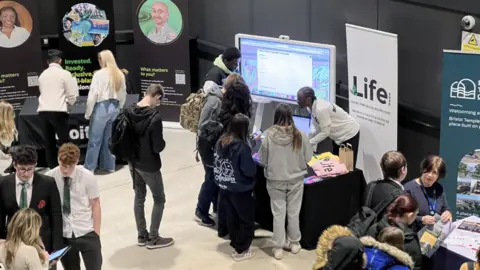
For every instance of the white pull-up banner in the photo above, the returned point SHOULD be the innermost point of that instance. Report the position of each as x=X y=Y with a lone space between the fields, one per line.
x=373 y=94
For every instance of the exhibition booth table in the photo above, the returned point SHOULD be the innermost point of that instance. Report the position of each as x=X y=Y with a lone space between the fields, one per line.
x=331 y=201
x=31 y=128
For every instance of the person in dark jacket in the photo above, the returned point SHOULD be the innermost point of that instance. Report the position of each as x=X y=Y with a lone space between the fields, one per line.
x=401 y=214
x=145 y=171
x=224 y=65
x=394 y=167
x=339 y=249
x=235 y=170
x=210 y=111
x=236 y=99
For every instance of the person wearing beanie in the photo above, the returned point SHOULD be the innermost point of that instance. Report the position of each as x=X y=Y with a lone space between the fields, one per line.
x=58 y=88
x=224 y=65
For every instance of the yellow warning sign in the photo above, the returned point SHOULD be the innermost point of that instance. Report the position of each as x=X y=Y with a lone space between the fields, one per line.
x=473 y=40
x=470 y=42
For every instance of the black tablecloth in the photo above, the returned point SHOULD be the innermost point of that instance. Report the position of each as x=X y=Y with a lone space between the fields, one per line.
x=326 y=203
x=31 y=127
x=445 y=259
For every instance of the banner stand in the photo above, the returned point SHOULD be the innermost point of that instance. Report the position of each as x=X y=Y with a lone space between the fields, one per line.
x=373 y=95
x=459 y=132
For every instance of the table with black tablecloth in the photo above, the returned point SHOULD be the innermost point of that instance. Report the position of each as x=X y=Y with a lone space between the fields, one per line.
x=332 y=201
x=31 y=127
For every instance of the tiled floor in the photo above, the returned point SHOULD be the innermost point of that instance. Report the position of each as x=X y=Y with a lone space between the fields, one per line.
x=195 y=247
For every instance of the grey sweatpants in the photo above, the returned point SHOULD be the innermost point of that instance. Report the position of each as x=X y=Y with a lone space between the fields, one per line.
x=286 y=201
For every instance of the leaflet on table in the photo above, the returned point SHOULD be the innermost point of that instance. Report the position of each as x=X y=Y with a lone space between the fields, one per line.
x=465 y=239
x=432 y=236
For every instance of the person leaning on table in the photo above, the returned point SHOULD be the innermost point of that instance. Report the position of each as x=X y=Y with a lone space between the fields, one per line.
x=329 y=121
x=429 y=193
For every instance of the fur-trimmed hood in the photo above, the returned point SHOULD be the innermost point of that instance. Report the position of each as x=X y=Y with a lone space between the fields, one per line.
x=397 y=254
x=327 y=242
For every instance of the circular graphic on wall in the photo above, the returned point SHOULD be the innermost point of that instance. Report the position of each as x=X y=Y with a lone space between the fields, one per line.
x=16 y=24
x=85 y=25
x=160 y=21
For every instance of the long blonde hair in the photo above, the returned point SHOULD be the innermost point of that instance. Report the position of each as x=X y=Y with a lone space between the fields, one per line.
x=8 y=131
x=24 y=227
x=107 y=60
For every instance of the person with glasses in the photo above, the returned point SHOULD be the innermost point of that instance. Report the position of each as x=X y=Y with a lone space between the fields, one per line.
x=81 y=210
x=28 y=189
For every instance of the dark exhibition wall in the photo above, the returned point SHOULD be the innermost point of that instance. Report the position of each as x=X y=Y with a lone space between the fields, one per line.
x=424 y=28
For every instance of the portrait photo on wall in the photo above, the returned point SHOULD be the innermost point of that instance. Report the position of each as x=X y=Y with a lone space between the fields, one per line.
x=85 y=25
x=16 y=24
x=160 y=21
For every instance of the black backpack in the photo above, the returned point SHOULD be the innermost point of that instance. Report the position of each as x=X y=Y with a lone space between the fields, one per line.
x=366 y=217
x=122 y=142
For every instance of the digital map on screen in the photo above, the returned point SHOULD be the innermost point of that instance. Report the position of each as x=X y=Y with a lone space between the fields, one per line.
x=278 y=70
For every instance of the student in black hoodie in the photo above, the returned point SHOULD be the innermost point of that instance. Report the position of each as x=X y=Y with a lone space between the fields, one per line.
x=235 y=170
x=148 y=127
x=236 y=99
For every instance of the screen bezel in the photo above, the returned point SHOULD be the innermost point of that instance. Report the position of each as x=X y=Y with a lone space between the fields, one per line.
x=333 y=63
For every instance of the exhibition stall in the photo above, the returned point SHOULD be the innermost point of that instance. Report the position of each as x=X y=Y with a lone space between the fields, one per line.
x=31 y=130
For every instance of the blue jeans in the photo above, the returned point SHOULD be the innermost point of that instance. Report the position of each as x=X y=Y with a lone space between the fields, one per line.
x=209 y=190
x=100 y=131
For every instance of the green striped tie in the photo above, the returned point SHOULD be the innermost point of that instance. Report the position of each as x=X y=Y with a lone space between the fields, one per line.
x=66 y=195
x=23 y=195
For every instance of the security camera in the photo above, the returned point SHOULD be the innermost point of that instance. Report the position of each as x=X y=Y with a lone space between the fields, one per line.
x=468 y=22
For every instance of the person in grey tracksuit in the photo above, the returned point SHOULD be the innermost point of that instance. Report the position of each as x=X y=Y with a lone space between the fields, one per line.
x=285 y=152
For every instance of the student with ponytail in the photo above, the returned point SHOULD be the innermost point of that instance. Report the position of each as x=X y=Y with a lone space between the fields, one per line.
x=285 y=152
x=401 y=214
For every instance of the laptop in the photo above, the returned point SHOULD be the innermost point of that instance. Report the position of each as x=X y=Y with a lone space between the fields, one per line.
x=302 y=123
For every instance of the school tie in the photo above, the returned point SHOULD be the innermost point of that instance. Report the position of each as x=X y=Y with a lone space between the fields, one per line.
x=23 y=195
x=66 y=195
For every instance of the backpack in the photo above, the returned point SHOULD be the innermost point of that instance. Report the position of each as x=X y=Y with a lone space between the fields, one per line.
x=366 y=216
x=122 y=142
x=190 y=111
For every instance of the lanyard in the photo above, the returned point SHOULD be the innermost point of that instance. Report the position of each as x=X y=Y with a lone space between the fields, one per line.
x=432 y=203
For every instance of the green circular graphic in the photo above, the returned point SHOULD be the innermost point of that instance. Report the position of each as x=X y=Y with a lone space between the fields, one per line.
x=160 y=21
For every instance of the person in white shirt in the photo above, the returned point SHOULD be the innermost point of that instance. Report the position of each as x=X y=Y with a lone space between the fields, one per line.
x=57 y=89
x=81 y=210
x=11 y=34
x=106 y=97
x=329 y=121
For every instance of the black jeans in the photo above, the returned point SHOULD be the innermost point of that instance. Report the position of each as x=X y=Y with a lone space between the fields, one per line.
x=354 y=142
x=90 y=247
x=54 y=124
x=240 y=210
x=209 y=190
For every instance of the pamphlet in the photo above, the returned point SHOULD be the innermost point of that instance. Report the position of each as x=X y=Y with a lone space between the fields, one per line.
x=465 y=239
x=432 y=236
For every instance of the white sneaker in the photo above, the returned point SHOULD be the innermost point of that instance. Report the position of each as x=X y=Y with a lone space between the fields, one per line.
x=295 y=247
x=278 y=253
x=248 y=254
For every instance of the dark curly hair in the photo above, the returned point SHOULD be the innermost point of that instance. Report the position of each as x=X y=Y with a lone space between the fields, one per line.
x=236 y=99
x=24 y=155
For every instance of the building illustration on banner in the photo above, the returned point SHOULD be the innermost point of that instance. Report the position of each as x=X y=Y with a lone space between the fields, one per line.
x=468 y=185
x=465 y=89
x=85 y=25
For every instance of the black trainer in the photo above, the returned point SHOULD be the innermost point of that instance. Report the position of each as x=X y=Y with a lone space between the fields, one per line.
x=159 y=242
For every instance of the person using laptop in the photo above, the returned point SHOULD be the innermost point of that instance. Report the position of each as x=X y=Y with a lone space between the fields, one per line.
x=329 y=121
